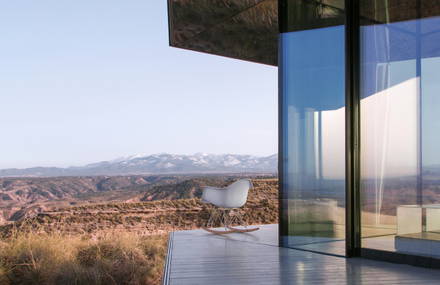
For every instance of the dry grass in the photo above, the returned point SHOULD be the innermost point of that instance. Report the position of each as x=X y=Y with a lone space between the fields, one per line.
x=104 y=258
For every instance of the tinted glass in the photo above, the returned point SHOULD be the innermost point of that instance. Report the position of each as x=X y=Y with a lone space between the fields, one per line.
x=400 y=137
x=313 y=134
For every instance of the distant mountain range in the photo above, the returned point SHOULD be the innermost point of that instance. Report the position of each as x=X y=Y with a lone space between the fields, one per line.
x=158 y=164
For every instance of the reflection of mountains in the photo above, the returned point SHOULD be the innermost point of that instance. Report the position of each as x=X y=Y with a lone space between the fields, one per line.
x=325 y=189
x=400 y=191
x=395 y=191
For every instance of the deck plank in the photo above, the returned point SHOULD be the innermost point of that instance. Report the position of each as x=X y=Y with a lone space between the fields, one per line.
x=198 y=257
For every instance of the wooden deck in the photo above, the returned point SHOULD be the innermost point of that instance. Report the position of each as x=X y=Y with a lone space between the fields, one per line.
x=196 y=257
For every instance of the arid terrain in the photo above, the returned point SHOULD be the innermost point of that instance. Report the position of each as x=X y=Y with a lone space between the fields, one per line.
x=106 y=230
x=25 y=197
x=175 y=207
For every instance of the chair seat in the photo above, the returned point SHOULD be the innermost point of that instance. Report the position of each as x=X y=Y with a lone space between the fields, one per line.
x=233 y=196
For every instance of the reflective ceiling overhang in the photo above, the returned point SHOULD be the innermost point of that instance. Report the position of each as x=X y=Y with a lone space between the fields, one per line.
x=248 y=29
x=241 y=29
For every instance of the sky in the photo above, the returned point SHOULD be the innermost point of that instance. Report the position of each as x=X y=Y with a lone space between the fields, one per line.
x=91 y=80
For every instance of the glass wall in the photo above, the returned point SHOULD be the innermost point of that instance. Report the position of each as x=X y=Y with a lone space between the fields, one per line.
x=400 y=127
x=313 y=126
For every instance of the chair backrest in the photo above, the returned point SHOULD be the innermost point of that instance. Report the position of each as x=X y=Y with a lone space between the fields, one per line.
x=237 y=193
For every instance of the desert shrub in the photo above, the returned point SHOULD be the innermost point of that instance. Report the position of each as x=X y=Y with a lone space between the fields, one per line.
x=104 y=258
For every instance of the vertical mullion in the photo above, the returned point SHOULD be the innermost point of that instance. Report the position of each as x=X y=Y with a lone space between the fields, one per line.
x=418 y=39
x=282 y=202
x=352 y=127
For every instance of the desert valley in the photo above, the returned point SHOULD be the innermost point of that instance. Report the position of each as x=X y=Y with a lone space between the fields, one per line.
x=113 y=228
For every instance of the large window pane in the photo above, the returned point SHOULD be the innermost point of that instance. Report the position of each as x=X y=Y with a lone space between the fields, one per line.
x=400 y=138
x=312 y=70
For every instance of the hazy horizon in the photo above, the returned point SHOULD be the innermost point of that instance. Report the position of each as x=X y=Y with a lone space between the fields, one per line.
x=139 y=155
x=83 y=82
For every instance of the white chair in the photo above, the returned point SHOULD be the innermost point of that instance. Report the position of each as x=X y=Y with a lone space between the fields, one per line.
x=226 y=200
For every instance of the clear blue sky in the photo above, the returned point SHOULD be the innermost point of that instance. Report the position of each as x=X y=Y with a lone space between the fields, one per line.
x=90 y=80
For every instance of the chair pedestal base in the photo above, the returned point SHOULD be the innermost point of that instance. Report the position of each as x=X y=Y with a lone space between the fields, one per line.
x=226 y=218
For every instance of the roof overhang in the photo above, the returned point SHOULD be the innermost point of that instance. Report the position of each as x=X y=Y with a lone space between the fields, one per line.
x=241 y=29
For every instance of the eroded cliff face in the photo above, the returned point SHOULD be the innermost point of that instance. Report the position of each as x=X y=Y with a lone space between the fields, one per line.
x=33 y=190
x=25 y=197
x=155 y=217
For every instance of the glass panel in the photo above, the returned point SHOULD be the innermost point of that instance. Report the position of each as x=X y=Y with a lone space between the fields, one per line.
x=312 y=75
x=400 y=159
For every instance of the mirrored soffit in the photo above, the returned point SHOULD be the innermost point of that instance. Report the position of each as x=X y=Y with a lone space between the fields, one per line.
x=241 y=29
x=248 y=29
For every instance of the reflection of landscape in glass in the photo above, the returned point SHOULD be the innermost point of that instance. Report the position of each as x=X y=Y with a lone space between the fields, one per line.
x=400 y=136
x=312 y=64
x=400 y=161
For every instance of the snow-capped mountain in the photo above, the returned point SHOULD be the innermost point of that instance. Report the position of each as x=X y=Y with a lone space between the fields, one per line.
x=160 y=164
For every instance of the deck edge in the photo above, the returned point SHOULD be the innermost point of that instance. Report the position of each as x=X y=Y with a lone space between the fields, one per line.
x=167 y=266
